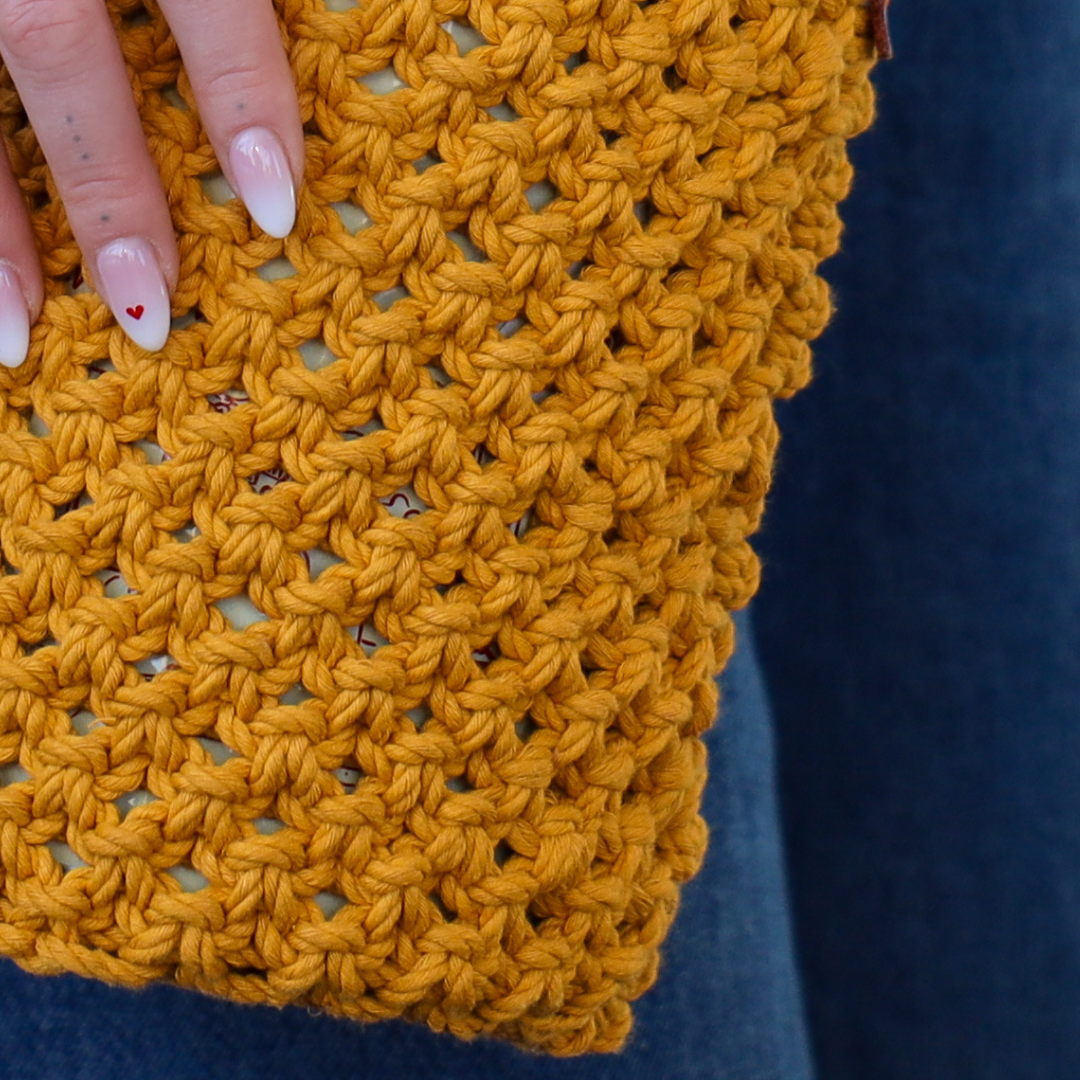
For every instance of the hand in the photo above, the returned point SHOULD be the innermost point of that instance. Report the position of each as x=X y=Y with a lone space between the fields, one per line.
x=65 y=61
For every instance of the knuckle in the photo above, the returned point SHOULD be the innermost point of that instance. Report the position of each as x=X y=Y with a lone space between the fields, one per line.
x=37 y=33
x=98 y=193
x=234 y=82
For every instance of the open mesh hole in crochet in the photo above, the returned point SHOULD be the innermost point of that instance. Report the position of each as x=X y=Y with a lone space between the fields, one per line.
x=216 y=188
x=296 y=695
x=349 y=776
x=187 y=319
x=133 y=800
x=486 y=654
x=227 y=400
x=319 y=560
x=240 y=612
x=316 y=354
x=186 y=533
x=526 y=727
x=459 y=784
x=502 y=111
x=503 y=853
x=575 y=60
x=155 y=665
x=113 y=583
x=135 y=14
x=172 y=95
x=383 y=81
x=437 y=374
x=673 y=80
x=12 y=773
x=464 y=242
x=426 y=161
x=83 y=721
x=541 y=194
x=151 y=451
x=99 y=369
x=445 y=913
x=77 y=285
x=330 y=903
x=64 y=856
x=351 y=216
x=267 y=480
x=189 y=879
x=277 y=269
x=387 y=298
x=65 y=508
x=419 y=716
x=218 y=751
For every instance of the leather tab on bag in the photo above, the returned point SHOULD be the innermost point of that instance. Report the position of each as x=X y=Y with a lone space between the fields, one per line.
x=879 y=20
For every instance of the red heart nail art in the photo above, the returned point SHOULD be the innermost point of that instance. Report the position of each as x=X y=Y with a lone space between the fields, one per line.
x=136 y=312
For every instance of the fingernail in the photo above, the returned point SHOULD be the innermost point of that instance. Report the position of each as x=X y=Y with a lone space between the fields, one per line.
x=262 y=174
x=132 y=285
x=14 y=319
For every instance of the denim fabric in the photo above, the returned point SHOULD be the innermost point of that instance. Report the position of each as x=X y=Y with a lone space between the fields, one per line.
x=725 y=1007
x=919 y=620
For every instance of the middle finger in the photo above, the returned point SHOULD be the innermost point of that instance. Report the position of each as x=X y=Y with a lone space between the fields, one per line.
x=247 y=100
x=65 y=61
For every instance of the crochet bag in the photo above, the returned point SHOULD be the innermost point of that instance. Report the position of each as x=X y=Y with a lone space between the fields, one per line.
x=356 y=649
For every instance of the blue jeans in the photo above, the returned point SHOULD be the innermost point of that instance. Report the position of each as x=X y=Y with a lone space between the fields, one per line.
x=914 y=651
x=726 y=991
x=919 y=625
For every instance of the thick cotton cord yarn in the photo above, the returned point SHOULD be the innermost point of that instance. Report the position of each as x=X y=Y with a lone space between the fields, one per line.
x=356 y=650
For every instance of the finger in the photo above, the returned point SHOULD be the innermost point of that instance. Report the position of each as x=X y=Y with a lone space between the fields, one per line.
x=21 y=287
x=65 y=61
x=247 y=100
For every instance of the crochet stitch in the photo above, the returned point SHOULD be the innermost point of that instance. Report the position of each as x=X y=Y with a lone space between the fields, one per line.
x=356 y=649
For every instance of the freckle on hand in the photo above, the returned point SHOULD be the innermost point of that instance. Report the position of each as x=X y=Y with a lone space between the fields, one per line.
x=86 y=157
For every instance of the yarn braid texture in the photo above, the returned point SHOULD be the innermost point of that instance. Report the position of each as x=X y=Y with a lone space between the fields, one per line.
x=356 y=649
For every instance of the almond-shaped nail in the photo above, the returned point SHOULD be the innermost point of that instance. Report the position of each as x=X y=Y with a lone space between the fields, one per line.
x=264 y=180
x=132 y=285
x=14 y=319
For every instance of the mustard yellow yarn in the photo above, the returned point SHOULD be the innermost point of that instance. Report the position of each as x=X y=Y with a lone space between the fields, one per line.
x=585 y=413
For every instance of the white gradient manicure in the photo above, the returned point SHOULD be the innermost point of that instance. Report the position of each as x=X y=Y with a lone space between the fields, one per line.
x=132 y=285
x=265 y=183
x=14 y=319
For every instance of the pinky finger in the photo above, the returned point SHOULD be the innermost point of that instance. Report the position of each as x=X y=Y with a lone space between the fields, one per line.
x=21 y=288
